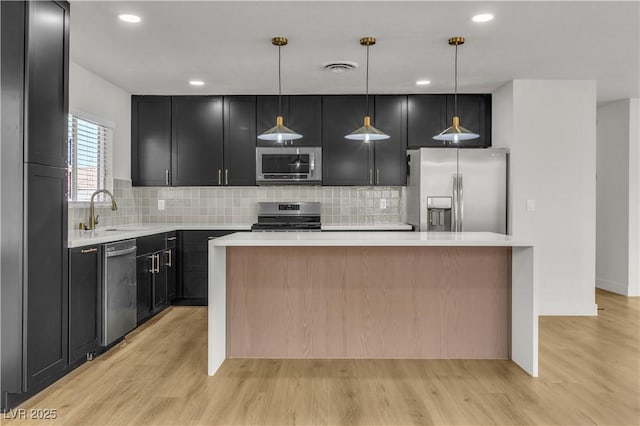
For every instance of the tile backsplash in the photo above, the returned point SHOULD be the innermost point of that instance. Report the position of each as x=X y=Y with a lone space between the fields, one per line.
x=340 y=205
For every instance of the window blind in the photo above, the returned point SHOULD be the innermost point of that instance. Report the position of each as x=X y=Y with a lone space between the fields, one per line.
x=90 y=156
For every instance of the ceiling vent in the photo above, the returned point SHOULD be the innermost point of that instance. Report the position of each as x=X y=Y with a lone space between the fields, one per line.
x=339 y=67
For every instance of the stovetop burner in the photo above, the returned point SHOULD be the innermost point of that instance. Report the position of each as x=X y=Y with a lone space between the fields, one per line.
x=303 y=216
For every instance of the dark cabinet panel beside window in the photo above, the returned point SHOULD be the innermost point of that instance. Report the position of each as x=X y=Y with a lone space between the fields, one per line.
x=47 y=91
x=151 y=140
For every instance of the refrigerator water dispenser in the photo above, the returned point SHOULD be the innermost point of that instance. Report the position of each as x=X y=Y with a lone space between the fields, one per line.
x=439 y=214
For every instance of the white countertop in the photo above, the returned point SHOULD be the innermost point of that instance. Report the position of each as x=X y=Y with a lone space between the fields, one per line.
x=478 y=239
x=107 y=234
x=381 y=227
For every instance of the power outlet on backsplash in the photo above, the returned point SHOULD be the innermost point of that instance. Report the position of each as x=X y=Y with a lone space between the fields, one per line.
x=346 y=205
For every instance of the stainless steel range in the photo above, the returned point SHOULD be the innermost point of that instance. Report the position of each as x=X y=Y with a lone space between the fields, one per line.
x=304 y=216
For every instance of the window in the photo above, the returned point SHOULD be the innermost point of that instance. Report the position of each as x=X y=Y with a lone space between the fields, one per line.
x=89 y=158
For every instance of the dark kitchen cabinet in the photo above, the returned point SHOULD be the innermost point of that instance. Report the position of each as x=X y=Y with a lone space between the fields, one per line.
x=151 y=273
x=194 y=265
x=239 y=140
x=302 y=113
x=145 y=267
x=350 y=162
x=344 y=161
x=390 y=155
x=474 y=111
x=431 y=114
x=427 y=116
x=197 y=140
x=85 y=266
x=47 y=320
x=34 y=115
x=171 y=259
x=151 y=140
x=46 y=85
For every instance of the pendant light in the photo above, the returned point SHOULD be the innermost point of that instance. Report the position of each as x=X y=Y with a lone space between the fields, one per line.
x=279 y=132
x=367 y=132
x=456 y=132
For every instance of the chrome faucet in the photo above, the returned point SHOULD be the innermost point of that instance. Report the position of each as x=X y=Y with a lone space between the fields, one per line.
x=93 y=220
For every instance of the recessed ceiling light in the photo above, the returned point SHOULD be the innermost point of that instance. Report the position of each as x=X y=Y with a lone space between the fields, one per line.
x=482 y=17
x=423 y=82
x=196 y=82
x=131 y=19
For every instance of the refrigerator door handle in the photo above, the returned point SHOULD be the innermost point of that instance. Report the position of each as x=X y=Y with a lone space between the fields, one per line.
x=461 y=203
x=454 y=225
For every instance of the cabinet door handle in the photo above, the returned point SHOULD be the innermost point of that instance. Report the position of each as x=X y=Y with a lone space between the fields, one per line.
x=370 y=176
x=170 y=261
x=377 y=176
x=219 y=176
x=226 y=176
x=166 y=177
x=171 y=238
x=153 y=263
x=87 y=251
x=157 y=263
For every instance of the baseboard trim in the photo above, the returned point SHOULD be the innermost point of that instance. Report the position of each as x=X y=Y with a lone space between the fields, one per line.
x=588 y=310
x=612 y=286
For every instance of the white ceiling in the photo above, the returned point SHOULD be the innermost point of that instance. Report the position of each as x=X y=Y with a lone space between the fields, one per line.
x=227 y=44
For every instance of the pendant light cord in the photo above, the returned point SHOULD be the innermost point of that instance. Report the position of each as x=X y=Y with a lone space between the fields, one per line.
x=367 y=83
x=455 y=90
x=279 y=82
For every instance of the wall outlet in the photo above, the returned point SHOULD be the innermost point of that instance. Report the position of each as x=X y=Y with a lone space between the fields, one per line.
x=531 y=205
x=160 y=204
x=383 y=203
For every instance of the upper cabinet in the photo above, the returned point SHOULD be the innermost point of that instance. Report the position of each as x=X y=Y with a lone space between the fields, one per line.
x=193 y=140
x=211 y=140
x=239 y=140
x=427 y=118
x=429 y=115
x=390 y=155
x=351 y=162
x=345 y=161
x=302 y=114
x=475 y=115
x=197 y=139
x=151 y=140
x=46 y=83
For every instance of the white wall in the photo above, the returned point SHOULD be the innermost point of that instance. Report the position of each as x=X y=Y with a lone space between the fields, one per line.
x=94 y=97
x=634 y=197
x=612 y=212
x=549 y=127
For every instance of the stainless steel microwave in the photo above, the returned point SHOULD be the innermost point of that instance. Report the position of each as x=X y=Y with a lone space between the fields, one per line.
x=275 y=165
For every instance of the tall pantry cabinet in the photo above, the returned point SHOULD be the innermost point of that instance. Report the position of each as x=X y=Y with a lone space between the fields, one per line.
x=35 y=87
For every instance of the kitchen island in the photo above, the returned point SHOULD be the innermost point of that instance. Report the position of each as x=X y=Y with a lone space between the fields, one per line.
x=395 y=295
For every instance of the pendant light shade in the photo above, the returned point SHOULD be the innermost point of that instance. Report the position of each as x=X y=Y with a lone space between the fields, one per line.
x=367 y=132
x=279 y=132
x=456 y=132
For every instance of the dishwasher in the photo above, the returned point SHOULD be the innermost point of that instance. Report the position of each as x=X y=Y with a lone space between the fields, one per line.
x=118 y=290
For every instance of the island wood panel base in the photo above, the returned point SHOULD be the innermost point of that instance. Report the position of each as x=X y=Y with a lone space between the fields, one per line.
x=368 y=302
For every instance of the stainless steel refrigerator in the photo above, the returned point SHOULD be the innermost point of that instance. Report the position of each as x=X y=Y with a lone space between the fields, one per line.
x=456 y=190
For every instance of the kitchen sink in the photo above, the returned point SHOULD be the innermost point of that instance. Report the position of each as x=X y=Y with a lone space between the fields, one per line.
x=121 y=229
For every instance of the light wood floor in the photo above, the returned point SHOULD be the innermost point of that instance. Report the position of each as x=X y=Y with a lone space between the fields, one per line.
x=589 y=374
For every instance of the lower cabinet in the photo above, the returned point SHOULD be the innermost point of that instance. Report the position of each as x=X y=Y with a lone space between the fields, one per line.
x=193 y=261
x=85 y=265
x=152 y=268
x=171 y=259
